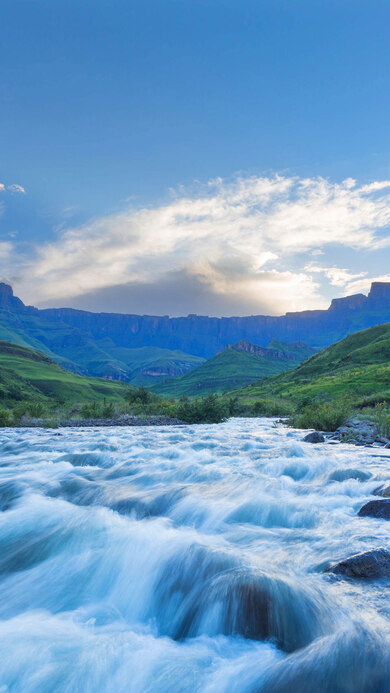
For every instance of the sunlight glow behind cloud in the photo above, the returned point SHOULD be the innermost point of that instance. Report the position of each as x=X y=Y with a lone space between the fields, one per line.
x=238 y=238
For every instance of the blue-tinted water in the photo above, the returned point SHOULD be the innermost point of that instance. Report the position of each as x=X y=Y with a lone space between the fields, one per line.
x=177 y=560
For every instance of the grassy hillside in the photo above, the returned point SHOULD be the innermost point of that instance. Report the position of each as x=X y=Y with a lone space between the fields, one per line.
x=358 y=367
x=33 y=387
x=224 y=372
x=26 y=374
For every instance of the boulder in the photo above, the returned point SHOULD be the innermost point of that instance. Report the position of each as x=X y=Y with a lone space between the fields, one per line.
x=376 y=508
x=314 y=437
x=369 y=564
x=360 y=432
x=382 y=439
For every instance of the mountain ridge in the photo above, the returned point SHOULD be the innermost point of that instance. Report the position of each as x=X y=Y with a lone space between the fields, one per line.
x=203 y=336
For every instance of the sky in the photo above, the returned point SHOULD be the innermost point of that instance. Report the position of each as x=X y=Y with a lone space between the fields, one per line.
x=219 y=157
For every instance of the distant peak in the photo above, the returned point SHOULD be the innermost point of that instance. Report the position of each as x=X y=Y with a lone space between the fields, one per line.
x=353 y=302
x=7 y=299
x=6 y=289
x=380 y=293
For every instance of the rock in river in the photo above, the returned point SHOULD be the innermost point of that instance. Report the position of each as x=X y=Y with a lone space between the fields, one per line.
x=376 y=508
x=314 y=437
x=383 y=491
x=369 y=564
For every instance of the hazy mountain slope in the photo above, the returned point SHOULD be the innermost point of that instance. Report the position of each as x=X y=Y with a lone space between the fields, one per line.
x=81 y=352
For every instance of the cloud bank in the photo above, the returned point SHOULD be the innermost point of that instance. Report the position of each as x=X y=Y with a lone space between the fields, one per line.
x=243 y=246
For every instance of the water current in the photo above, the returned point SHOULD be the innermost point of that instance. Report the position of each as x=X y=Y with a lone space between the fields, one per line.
x=188 y=560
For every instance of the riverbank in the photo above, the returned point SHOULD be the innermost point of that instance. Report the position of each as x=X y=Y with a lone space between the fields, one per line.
x=360 y=432
x=103 y=423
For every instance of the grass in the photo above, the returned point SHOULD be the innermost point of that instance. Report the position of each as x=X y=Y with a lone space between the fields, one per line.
x=28 y=375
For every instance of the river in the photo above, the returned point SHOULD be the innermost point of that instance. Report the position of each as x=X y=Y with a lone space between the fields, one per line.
x=188 y=560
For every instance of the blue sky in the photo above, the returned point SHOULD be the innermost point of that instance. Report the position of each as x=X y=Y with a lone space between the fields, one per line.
x=116 y=115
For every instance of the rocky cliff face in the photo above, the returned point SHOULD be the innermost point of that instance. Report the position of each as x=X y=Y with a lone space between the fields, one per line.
x=268 y=352
x=204 y=336
x=7 y=299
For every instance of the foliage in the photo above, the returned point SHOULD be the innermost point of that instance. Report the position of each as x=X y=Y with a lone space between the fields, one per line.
x=98 y=410
x=139 y=394
x=269 y=407
x=382 y=419
x=36 y=409
x=5 y=418
x=323 y=416
x=210 y=409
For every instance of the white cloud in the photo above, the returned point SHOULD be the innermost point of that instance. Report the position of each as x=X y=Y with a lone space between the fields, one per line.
x=363 y=285
x=5 y=249
x=236 y=237
x=13 y=188
x=338 y=276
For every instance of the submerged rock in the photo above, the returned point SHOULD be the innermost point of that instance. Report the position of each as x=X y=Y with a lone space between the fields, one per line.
x=314 y=437
x=343 y=474
x=376 y=508
x=369 y=564
x=383 y=491
x=206 y=592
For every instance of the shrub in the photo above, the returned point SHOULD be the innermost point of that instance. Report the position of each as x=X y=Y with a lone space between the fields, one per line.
x=382 y=419
x=90 y=411
x=233 y=406
x=5 y=417
x=138 y=395
x=36 y=409
x=325 y=416
x=210 y=409
x=269 y=407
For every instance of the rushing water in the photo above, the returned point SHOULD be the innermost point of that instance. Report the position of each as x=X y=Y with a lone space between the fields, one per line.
x=189 y=559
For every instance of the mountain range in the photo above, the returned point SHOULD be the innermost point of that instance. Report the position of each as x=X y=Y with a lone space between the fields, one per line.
x=144 y=349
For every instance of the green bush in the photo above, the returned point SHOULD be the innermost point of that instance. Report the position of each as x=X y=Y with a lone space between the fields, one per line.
x=324 y=416
x=5 y=417
x=269 y=407
x=210 y=409
x=382 y=419
x=91 y=410
x=138 y=395
x=36 y=409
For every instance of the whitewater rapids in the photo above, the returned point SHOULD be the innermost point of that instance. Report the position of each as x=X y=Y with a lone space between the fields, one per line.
x=188 y=560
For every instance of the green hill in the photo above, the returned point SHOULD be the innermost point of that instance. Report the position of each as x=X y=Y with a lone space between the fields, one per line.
x=26 y=374
x=235 y=367
x=357 y=367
